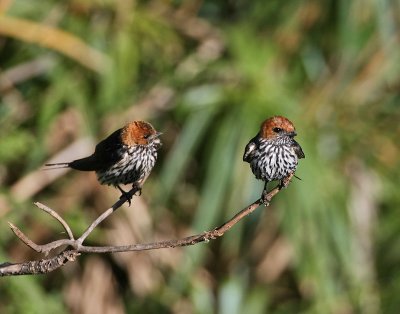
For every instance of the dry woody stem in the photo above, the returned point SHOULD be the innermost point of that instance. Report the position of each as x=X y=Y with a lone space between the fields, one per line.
x=72 y=247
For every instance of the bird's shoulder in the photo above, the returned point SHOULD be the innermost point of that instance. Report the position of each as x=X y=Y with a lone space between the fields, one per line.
x=298 y=150
x=110 y=143
x=250 y=149
x=109 y=150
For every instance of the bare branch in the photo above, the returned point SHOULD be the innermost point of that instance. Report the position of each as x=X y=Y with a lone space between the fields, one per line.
x=50 y=264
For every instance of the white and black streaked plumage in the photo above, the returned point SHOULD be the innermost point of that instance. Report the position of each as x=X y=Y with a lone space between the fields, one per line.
x=134 y=164
x=127 y=156
x=273 y=153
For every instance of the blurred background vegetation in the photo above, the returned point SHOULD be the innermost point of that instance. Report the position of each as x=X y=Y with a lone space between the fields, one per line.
x=206 y=73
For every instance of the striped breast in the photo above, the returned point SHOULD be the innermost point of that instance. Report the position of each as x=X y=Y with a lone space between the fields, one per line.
x=274 y=159
x=134 y=166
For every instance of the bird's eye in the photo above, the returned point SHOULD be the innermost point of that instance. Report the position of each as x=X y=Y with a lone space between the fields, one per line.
x=277 y=130
x=146 y=136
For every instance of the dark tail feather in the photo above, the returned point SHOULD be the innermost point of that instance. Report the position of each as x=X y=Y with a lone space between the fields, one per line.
x=57 y=166
x=85 y=164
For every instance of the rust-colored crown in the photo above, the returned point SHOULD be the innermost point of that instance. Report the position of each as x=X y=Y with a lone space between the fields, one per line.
x=272 y=127
x=137 y=133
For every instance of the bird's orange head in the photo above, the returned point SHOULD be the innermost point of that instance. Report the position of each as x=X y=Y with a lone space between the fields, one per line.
x=139 y=133
x=277 y=126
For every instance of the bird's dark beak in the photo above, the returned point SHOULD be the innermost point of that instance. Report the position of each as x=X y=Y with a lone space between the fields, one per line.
x=292 y=134
x=154 y=136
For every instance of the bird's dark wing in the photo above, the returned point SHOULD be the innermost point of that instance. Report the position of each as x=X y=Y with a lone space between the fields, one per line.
x=250 y=150
x=297 y=149
x=106 y=153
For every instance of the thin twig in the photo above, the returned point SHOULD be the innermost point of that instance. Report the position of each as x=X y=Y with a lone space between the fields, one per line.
x=44 y=248
x=124 y=198
x=57 y=217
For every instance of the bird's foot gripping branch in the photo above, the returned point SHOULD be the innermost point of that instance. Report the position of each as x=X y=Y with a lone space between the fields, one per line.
x=73 y=247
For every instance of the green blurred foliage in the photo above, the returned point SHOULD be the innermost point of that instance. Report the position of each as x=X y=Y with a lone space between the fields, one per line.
x=206 y=74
